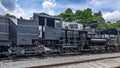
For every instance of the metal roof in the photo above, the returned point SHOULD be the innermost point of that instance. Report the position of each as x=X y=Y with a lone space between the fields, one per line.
x=48 y=16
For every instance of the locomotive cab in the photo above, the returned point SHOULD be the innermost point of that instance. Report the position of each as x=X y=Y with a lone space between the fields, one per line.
x=49 y=30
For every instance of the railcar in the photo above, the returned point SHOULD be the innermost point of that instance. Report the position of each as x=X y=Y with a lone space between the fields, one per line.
x=19 y=37
x=27 y=41
x=46 y=34
x=50 y=29
x=113 y=37
x=7 y=35
x=56 y=38
x=72 y=41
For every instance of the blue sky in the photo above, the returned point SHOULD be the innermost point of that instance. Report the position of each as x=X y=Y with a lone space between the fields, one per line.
x=26 y=8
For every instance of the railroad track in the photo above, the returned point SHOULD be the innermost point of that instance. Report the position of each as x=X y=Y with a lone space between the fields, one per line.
x=57 y=61
x=74 y=62
x=17 y=58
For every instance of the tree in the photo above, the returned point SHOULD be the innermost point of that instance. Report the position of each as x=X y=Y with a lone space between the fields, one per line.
x=98 y=17
x=98 y=14
x=78 y=16
x=69 y=11
x=84 y=17
x=118 y=21
x=67 y=15
x=9 y=16
x=114 y=25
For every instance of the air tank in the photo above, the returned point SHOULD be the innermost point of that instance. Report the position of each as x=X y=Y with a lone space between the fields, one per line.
x=98 y=41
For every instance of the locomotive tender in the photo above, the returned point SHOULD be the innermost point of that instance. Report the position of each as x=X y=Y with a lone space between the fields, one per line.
x=19 y=36
x=46 y=33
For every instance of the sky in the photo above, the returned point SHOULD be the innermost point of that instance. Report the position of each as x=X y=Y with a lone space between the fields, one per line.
x=25 y=8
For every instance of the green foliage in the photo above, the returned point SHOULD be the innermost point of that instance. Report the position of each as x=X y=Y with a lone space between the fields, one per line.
x=9 y=16
x=101 y=22
x=67 y=15
x=114 y=25
x=83 y=16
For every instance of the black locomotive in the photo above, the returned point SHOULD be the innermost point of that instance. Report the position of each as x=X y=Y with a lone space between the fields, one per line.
x=44 y=33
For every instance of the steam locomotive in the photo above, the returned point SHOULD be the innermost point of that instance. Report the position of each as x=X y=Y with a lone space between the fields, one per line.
x=45 y=33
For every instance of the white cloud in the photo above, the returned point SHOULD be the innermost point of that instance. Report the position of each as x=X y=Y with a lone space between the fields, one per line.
x=109 y=8
x=48 y=6
x=18 y=11
x=51 y=12
x=112 y=16
x=2 y=9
